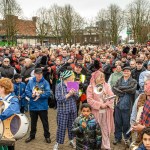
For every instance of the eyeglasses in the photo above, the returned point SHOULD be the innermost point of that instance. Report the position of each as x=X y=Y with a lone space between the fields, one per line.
x=6 y=61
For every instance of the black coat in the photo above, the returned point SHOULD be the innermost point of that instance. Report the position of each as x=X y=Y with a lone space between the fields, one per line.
x=135 y=75
x=120 y=90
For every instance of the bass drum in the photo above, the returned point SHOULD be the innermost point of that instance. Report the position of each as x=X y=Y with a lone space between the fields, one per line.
x=16 y=126
x=3 y=106
x=1 y=129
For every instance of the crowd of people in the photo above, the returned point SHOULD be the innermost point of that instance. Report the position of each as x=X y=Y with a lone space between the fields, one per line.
x=113 y=95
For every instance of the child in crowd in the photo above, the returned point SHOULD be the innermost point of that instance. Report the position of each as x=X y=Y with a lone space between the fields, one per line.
x=145 y=139
x=19 y=90
x=87 y=130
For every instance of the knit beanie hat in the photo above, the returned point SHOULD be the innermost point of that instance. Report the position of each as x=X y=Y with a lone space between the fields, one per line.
x=66 y=74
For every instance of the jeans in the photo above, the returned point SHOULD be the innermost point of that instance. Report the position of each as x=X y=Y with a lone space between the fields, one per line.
x=122 y=123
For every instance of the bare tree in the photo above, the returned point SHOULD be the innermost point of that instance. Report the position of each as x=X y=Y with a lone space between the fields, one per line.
x=9 y=9
x=78 y=26
x=103 y=27
x=67 y=23
x=115 y=17
x=89 y=30
x=138 y=19
x=55 y=15
x=43 y=25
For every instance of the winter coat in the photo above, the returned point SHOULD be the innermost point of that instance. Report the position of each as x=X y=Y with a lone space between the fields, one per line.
x=135 y=75
x=142 y=147
x=107 y=71
x=125 y=91
x=26 y=72
x=42 y=102
x=7 y=71
x=19 y=90
x=114 y=78
x=88 y=138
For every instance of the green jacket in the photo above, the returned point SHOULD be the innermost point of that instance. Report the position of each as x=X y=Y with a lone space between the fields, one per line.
x=114 y=77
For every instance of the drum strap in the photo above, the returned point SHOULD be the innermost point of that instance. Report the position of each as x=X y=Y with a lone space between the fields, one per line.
x=8 y=99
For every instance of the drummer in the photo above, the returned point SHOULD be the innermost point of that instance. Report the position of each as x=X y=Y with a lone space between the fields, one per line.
x=6 y=94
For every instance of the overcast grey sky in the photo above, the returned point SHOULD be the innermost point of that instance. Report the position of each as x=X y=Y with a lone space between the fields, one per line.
x=86 y=8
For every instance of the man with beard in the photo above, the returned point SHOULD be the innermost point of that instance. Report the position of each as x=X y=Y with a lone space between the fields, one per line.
x=6 y=69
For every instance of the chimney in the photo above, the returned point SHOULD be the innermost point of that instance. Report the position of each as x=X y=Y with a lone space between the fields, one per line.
x=34 y=19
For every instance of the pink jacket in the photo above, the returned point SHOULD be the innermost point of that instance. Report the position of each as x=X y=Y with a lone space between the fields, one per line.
x=95 y=102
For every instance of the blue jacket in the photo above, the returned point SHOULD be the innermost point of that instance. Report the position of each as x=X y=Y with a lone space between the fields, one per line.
x=12 y=109
x=142 y=147
x=19 y=90
x=42 y=102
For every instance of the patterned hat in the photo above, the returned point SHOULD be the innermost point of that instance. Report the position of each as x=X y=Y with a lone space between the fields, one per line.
x=66 y=74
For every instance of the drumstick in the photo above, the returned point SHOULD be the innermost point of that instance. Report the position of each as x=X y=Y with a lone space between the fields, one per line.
x=110 y=97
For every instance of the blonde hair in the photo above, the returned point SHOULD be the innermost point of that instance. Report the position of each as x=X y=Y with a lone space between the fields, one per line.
x=101 y=75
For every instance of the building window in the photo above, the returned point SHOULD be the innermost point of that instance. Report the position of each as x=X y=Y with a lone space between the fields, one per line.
x=85 y=39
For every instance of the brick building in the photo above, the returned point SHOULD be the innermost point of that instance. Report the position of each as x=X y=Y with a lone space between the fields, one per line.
x=17 y=28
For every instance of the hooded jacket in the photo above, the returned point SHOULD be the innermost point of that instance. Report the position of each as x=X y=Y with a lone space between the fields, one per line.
x=87 y=138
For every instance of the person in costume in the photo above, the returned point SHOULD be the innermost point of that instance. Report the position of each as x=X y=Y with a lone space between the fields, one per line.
x=66 y=109
x=102 y=108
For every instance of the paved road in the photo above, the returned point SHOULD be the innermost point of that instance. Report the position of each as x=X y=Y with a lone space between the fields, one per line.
x=40 y=144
